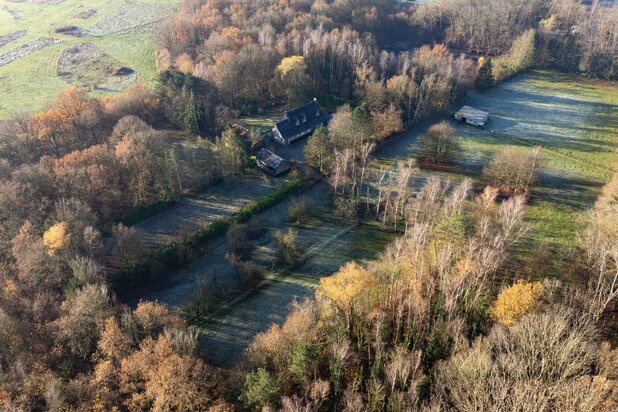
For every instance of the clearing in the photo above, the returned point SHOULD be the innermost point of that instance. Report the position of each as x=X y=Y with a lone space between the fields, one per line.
x=122 y=31
x=573 y=118
x=217 y=202
x=88 y=67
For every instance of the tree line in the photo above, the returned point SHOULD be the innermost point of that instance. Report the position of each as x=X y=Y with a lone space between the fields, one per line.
x=569 y=36
x=436 y=324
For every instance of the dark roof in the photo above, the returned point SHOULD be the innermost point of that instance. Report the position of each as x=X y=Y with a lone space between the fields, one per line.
x=271 y=159
x=302 y=118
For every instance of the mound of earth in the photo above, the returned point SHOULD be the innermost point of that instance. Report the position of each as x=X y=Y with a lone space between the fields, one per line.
x=121 y=71
x=87 y=66
x=132 y=18
x=7 y=38
x=86 y=14
x=69 y=31
x=26 y=49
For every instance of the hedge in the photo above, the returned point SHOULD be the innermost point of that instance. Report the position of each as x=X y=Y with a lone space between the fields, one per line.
x=170 y=256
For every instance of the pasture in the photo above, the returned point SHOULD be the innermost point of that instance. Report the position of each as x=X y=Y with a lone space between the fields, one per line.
x=46 y=46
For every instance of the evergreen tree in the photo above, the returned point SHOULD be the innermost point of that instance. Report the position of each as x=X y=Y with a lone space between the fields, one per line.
x=485 y=77
x=232 y=151
x=191 y=118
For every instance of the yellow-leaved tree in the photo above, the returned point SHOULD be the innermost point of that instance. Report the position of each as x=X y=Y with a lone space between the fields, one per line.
x=350 y=289
x=516 y=301
x=56 y=237
x=291 y=79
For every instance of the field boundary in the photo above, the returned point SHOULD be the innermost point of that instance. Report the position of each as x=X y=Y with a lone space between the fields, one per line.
x=166 y=258
x=274 y=276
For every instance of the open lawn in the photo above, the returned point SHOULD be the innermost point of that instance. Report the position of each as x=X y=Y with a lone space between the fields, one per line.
x=121 y=29
x=574 y=120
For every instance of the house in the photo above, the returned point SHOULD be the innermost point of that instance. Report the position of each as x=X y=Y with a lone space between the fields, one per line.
x=299 y=123
x=271 y=162
x=472 y=116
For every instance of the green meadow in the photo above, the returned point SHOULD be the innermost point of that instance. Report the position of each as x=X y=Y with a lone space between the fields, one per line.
x=121 y=29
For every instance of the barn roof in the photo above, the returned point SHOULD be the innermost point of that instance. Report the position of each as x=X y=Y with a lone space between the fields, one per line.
x=476 y=115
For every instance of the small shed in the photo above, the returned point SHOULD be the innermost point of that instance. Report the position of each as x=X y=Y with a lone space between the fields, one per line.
x=272 y=162
x=472 y=116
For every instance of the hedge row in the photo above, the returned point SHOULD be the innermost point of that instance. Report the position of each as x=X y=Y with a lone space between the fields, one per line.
x=170 y=256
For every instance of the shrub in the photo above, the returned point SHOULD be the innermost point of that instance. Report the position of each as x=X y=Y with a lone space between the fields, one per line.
x=56 y=237
x=439 y=146
x=299 y=209
x=288 y=249
x=516 y=301
x=238 y=239
x=514 y=171
x=260 y=389
x=200 y=303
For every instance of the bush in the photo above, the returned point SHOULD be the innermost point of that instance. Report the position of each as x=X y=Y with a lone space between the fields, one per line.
x=439 y=146
x=288 y=249
x=238 y=239
x=260 y=389
x=200 y=303
x=514 y=171
x=299 y=209
x=347 y=208
x=516 y=301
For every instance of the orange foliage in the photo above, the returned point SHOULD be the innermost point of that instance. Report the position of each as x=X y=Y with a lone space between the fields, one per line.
x=184 y=63
x=349 y=288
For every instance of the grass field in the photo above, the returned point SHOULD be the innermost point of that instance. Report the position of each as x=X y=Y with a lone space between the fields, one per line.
x=121 y=29
x=574 y=119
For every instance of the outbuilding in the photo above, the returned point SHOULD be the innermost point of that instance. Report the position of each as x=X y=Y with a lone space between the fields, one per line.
x=272 y=162
x=472 y=116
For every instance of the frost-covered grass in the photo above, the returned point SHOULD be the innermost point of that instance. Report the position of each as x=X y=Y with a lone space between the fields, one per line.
x=29 y=82
x=573 y=118
x=575 y=121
